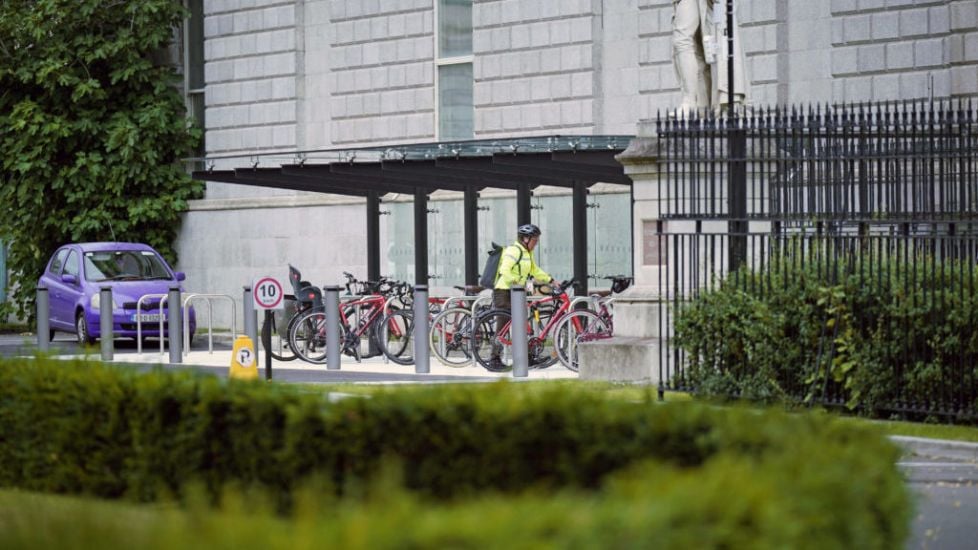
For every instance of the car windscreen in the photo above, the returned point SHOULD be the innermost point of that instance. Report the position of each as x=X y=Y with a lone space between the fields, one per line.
x=124 y=265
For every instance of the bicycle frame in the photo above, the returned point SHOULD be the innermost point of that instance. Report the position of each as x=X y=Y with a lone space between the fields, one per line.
x=376 y=308
x=562 y=309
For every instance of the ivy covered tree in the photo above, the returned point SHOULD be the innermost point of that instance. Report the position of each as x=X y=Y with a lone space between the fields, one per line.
x=92 y=130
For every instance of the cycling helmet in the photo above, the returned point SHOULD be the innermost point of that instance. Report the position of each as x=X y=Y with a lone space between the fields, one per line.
x=528 y=230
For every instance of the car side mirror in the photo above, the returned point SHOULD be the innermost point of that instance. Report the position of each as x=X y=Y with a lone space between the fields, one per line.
x=68 y=278
x=180 y=276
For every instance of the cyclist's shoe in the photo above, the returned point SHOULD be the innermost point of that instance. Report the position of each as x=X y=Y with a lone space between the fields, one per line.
x=538 y=362
x=496 y=365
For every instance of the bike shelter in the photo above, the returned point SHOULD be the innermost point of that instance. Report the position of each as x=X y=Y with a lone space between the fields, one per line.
x=520 y=164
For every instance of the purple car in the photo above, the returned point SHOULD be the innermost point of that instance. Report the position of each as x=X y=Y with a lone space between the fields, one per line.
x=76 y=272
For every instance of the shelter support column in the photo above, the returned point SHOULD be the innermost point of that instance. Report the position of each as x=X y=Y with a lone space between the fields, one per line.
x=523 y=196
x=421 y=236
x=471 y=237
x=579 y=225
x=373 y=236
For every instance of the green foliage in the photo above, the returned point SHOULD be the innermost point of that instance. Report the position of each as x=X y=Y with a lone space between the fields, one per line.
x=875 y=332
x=92 y=129
x=471 y=466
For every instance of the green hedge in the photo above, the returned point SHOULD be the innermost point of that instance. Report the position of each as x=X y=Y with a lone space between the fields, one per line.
x=77 y=428
x=881 y=332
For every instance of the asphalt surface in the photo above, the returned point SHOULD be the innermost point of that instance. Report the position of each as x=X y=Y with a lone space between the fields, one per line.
x=944 y=478
x=943 y=475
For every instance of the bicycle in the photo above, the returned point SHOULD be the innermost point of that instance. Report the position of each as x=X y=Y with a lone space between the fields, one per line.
x=450 y=336
x=587 y=326
x=308 y=333
x=397 y=328
x=492 y=329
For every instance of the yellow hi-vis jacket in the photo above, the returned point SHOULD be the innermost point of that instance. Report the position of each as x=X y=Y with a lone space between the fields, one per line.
x=516 y=266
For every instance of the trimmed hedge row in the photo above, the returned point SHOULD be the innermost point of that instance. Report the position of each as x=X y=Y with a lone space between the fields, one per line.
x=73 y=427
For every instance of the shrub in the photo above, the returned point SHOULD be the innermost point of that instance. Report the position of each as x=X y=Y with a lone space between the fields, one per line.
x=79 y=428
x=878 y=333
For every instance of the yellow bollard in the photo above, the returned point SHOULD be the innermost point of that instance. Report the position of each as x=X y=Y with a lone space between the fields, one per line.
x=243 y=359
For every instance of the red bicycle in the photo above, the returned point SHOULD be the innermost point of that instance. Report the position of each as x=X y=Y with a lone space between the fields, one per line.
x=493 y=329
x=362 y=317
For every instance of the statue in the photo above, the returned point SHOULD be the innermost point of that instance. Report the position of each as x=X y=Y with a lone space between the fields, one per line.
x=699 y=46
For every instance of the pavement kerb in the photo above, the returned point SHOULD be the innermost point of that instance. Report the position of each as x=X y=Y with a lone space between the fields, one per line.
x=938 y=448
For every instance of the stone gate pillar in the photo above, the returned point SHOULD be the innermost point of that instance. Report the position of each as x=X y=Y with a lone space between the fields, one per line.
x=633 y=355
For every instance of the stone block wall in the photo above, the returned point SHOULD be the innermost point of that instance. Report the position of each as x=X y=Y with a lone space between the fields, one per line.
x=382 y=71
x=885 y=50
x=250 y=67
x=533 y=67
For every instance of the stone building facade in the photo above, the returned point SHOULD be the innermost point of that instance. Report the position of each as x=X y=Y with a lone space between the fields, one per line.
x=305 y=75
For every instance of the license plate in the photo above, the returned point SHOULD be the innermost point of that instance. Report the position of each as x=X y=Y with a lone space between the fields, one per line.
x=146 y=317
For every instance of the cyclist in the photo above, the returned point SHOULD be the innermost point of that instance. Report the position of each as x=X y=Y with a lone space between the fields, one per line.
x=515 y=266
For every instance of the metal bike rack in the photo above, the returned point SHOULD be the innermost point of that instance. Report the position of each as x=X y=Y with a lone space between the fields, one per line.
x=449 y=302
x=139 y=320
x=593 y=300
x=480 y=300
x=210 y=337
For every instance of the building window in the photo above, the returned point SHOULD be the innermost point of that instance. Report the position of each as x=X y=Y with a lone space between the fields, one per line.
x=454 y=28
x=194 y=70
x=454 y=63
x=455 y=112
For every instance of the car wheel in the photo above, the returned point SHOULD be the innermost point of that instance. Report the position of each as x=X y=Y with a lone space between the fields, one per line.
x=81 y=330
x=51 y=335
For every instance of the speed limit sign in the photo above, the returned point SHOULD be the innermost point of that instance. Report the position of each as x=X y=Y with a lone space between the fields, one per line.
x=268 y=294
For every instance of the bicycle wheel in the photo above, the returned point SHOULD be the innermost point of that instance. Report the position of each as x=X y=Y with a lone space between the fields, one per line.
x=307 y=337
x=396 y=336
x=576 y=327
x=451 y=337
x=277 y=330
x=486 y=343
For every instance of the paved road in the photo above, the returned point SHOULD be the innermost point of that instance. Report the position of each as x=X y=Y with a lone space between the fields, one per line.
x=944 y=477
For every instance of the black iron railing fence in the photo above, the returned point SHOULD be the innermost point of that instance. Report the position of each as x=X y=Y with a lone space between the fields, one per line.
x=855 y=162
x=830 y=259
x=882 y=322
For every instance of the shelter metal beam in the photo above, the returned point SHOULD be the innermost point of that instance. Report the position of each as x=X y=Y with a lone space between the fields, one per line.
x=324 y=174
x=271 y=177
x=426 y=171
x=513 y=174
x=604 y=158
x=464 y=172
x=543 y=164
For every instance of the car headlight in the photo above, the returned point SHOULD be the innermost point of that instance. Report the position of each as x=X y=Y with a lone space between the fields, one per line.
x=97 y=301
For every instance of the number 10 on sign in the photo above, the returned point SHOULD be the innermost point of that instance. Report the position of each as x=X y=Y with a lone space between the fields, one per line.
x=267 y=293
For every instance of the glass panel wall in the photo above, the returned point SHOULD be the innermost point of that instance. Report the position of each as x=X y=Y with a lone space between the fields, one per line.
x=609 y=237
